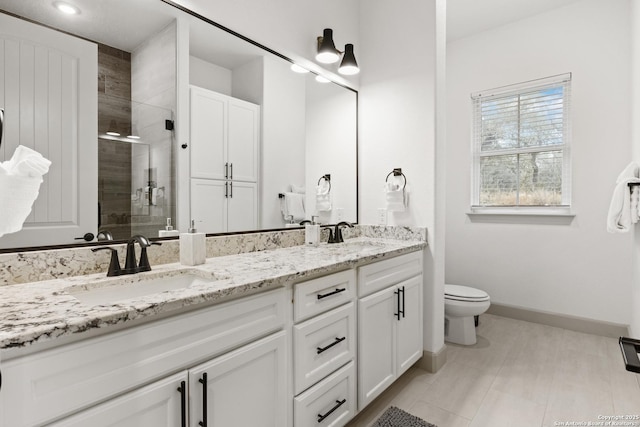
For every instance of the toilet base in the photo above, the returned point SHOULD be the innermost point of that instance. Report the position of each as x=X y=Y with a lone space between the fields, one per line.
x=460 y=330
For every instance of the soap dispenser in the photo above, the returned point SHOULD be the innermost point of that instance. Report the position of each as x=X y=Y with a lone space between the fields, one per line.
x=312 y=233
x=192 y=247
x=168 y=230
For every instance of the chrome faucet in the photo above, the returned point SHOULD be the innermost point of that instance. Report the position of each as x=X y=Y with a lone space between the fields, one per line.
x=131 y=267
x=336 y=236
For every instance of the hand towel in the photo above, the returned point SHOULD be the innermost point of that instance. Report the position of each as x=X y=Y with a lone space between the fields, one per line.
x=293 y=207
x=20 y=179
x=323 y=196
x=635 y=198
x=395 y=197
x=619 y=216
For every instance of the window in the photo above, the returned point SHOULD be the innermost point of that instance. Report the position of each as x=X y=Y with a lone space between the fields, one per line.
x=521 y=145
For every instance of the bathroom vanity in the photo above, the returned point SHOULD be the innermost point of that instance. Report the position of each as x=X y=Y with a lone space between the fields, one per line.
x=283 y=337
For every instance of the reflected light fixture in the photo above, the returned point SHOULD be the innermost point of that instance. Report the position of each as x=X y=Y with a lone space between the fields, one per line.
x=328 y=54
x=66 y=8
x=113 y=129
x=322 y=79
x=298 y=69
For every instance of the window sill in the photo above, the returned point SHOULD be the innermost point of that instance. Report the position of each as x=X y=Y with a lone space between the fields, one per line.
x=553 y=216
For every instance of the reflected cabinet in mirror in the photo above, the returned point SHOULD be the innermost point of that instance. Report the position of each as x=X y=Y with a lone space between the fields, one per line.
x=258 y=146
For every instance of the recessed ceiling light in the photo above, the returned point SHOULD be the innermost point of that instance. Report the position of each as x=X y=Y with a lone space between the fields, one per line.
x=66 y=8
x=112 y=133
x=298 y=69
x=133 y=137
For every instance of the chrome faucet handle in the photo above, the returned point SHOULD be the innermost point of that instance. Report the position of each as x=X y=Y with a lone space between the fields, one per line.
x=114 y=264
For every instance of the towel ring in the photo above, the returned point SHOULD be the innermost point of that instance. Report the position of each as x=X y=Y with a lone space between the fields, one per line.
x=397 y=172
x=326 y=177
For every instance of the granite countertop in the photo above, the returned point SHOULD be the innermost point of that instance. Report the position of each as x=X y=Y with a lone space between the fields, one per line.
x=41 y=311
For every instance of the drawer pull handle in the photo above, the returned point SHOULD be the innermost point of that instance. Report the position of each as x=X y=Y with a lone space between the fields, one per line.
x=337 y=291
x=183 y=403
x=203 y=381
x=339 y=403
x=337 y=341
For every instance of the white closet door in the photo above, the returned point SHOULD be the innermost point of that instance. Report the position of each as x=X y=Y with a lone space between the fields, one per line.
x=208 y=134
x=243 y=206
x=52 y=109
x=244 y=131
x=209 y=205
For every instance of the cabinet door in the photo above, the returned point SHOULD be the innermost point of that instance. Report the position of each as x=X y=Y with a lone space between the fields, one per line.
x=209 y=205
x=246 y=387
x=376 y=344
x=242 y=202
x=156 y=405
x=409 y=328
x=208 y=128
x=244 y=134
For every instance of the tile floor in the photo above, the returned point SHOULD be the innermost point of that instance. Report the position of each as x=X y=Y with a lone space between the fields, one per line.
x=519 y=374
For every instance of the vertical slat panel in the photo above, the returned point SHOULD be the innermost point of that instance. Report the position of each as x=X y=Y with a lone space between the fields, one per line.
x=12 y=97
x=41 y=142
x=26 y=102
x=2 y=101
x=68 y=152
x=55 y=136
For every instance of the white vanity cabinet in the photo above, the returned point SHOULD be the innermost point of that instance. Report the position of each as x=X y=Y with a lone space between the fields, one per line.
x=44 y=386
x=324 y=350
x=389 y=322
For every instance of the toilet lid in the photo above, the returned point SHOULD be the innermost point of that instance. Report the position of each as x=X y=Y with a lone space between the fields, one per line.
x=464 y=293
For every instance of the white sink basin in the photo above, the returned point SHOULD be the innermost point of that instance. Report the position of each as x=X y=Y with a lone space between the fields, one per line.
x=113 y=290
x=361 y=245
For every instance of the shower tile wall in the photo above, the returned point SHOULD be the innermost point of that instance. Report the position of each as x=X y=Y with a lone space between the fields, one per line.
x=114 y=111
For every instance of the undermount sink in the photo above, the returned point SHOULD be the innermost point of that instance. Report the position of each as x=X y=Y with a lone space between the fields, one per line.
x=362 y=244
x=113 y=290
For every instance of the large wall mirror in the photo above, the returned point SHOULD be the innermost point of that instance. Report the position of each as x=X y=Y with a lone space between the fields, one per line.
x=261 y=146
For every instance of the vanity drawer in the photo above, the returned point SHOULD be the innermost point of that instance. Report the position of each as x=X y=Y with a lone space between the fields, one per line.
x=324 y=293
x=323 y=344
x=52 y=383
x=382 y=274
x=332 y=402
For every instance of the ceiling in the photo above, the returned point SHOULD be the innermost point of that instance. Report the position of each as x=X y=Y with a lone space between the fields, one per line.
x=467 y=17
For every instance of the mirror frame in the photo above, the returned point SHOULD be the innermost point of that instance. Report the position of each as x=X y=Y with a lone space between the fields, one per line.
x=161 y=239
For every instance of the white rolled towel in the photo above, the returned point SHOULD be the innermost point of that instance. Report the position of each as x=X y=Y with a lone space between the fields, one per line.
x=20 y=179
x=395 y=197
x=323 y=196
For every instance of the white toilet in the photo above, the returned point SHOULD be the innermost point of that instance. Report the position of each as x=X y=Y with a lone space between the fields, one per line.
x=461 y=305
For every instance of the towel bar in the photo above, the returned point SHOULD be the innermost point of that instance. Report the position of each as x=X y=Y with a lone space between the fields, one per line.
x=630 y=349
x=280 y=196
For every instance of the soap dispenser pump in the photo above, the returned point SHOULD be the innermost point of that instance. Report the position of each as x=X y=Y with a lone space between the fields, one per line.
x=312 y=232
x=192 y=247
x=168 y=230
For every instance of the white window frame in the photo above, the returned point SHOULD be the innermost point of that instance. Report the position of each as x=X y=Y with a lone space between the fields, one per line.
x=564 y=208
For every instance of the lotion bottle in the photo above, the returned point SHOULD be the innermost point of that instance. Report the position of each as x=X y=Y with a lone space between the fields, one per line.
x=168 y=230
x=312 y=233
x=192 y=247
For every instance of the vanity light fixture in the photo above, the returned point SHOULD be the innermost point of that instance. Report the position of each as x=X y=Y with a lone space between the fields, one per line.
x=328 y=54
x=113 y=129
x=66 y=8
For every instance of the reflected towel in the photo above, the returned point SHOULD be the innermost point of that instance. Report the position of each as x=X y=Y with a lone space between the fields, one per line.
x=293 y=207
x=20 y=179
x=323 y=196
x=619 y=216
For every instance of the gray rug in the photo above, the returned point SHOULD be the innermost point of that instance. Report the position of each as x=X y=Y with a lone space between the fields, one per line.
x=395 y=417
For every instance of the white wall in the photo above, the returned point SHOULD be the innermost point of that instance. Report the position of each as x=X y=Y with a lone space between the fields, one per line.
x=397 y=126
x=209 y=76
x=577 y=269
x=635 y=147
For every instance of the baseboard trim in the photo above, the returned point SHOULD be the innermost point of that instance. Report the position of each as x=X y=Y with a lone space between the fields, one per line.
x=565 y=321
x=432 y=362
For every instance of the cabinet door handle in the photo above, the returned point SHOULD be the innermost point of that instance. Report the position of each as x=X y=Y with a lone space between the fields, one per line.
x=397 y=294
x=231 y=173
x=337 y=341
x=203 y=381
x=337 y=291
x=231 y=192
x=183 y=404
x=339 y=403
x=226 y=190
x=226 y=170
x=403 y=305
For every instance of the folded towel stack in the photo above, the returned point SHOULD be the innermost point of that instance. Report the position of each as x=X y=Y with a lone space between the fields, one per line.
x=323 y=196
x=292 y=206
x=622 y=212
x=20 y=179
x=395 y=197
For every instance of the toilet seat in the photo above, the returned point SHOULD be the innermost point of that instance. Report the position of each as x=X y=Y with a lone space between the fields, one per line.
x=464 y=293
